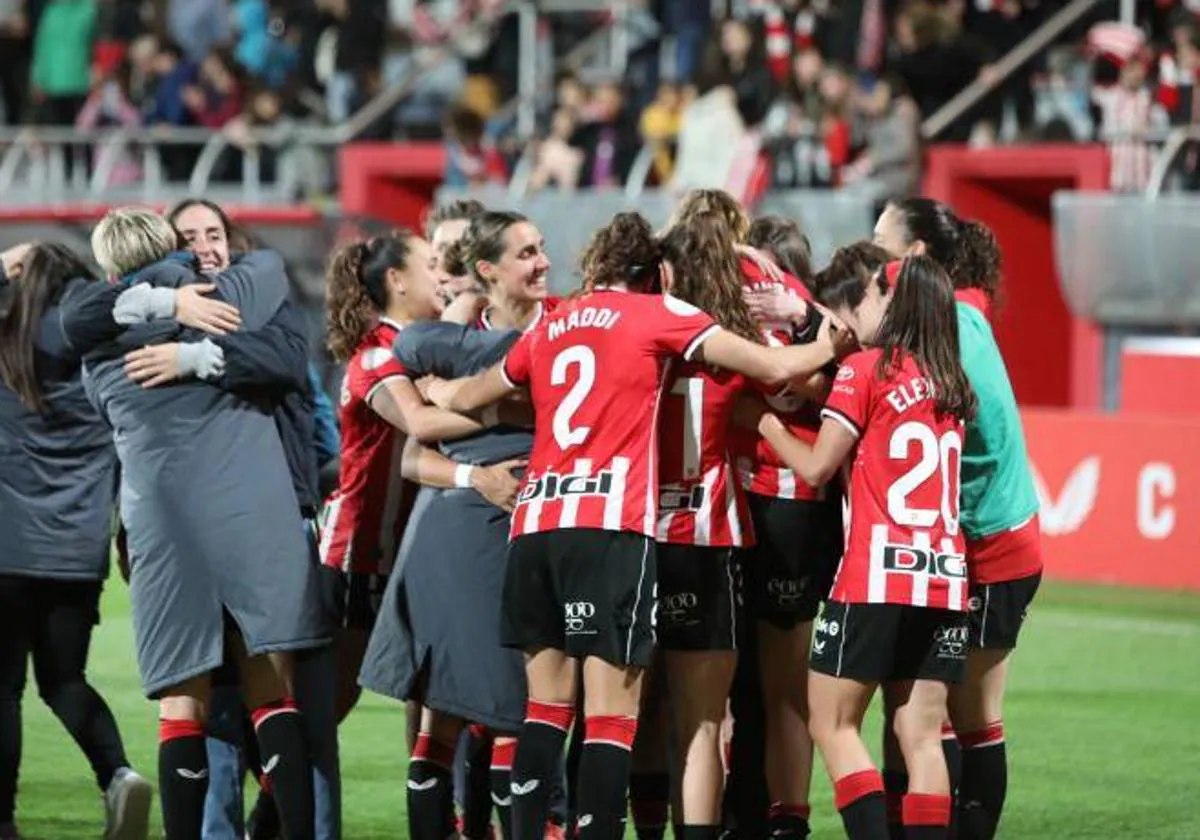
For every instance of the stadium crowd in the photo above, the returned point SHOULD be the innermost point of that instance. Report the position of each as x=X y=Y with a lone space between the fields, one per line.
x=615 y=518
x=829 y=94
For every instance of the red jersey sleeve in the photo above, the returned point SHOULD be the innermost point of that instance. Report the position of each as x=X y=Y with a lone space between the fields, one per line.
x=849 y=402
x=680 y=328
x=518 y=363
x=370 y=369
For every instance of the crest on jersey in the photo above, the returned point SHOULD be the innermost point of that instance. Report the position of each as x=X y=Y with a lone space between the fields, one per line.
x=376 y=357
x=680 y=307
x=844 y=373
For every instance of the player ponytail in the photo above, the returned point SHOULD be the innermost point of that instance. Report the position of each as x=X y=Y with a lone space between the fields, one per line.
x=714 y=204
x=357 y=291
x=977 y=261
x=783 y=240
x=44 y=273
x=921 y=321
x=706 y=272
x=622 y=252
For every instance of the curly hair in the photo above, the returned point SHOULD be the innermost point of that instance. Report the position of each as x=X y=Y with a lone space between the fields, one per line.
x=623 y=251
x=707 y=273
x=714 y=203
x=357 y=290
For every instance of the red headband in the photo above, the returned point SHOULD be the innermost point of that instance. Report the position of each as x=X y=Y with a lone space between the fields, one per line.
x=892 y=272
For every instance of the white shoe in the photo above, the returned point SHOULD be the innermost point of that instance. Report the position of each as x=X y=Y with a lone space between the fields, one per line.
x=127 y=806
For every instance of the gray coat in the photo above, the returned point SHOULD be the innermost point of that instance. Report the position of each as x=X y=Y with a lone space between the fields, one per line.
x=441 y=609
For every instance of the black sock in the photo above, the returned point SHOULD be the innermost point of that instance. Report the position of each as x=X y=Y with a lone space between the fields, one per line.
x=87 y=717
x=895 y=785
x=788 y=821
x=539 y=751
x=697 y=832
x=926 y=816
x=859 y=798
x=10 y=755
x=984 y=783
x=281 y=744
x=182 y=777
x=604 y=776
x=649 y=804
x=430 y=790
x=571 y=768
x=477 y=791
x=503 y=752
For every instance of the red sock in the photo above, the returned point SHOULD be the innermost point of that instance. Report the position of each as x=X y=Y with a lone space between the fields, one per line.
x=435 y=752
x=558 y=715
x=989 y=736
x=172 y=730
x=859 y=799
x=853 y=787
x=283 y=706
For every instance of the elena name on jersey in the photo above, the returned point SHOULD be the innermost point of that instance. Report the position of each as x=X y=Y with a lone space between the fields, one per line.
x=904 y=544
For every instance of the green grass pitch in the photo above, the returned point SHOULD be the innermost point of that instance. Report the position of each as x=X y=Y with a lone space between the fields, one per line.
x=1103 y=721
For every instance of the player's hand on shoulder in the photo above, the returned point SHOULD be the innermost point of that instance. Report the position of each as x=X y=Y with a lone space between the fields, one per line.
x=194 y=309
x=437 y=391
x=497 y=483
x=464 y=309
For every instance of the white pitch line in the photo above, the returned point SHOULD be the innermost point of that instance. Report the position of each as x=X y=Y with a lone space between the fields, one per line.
x=1089 y=621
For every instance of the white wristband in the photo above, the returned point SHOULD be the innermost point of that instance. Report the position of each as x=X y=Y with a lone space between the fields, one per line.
x=462 y=476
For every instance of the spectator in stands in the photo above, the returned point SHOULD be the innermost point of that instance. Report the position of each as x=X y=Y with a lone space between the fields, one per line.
x=111 y=105
x=362 y=27
x=935 y=62
x=199 y=25
x=15 y=35
x=709 y=139
x=466 y=154
x=739 y=60
x=251 y=19
x=558 y=163
x=216 y=97
x=660 y=124
x=689 y=23
x=889 y=168
x=173 y=73
x=607 y=134
x=62 y=51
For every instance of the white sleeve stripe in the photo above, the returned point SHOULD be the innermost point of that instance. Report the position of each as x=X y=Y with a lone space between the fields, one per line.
x=838 y=417
x=504 y=375
x=697 y=342
x=381 y=383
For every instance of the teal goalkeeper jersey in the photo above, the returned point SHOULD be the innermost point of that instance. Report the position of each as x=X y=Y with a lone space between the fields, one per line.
x=997 y=485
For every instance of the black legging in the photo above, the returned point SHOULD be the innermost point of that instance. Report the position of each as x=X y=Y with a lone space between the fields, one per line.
x=53 y=621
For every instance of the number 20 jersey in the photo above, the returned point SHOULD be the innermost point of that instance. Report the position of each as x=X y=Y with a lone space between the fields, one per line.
x=903 y=543
x=596 y=369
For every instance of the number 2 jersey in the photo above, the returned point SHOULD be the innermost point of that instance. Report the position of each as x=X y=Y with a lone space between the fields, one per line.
x=903 y=543
x=596 y=370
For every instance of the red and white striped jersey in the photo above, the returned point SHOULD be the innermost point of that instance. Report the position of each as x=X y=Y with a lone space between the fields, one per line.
x=544 y=308
x=700 y=499
x=596 y=370
x=760 y=468
x=903 y=544
x=364 y=518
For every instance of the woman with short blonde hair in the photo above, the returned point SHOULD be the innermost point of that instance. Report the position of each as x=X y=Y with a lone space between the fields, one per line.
x=131 y=237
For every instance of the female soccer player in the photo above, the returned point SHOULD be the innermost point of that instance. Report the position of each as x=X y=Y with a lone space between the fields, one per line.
x=798 y=532
x=999 y=502
x=896 y=614
x=581 y=571
x=221 y=579
x=375 y=288
x=506 y=253
x=702 y=519
x=58 y=487
x=251 y=366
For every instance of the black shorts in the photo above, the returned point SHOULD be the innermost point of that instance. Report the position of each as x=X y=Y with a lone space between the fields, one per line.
x=697 y=598
x=889 y=642
x=790 y=570
x=997 y=611
x=363 y=595
x=584 y=591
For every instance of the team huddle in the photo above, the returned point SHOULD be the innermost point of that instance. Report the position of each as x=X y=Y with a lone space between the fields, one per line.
x=643 y=550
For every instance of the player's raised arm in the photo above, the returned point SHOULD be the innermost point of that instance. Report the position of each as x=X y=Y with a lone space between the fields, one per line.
x=816 y=464
x=772 y=365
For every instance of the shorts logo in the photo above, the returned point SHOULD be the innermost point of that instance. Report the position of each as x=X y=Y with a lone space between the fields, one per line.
x=674 y=608
x=550 y=486
x=786 y=591
x=951 y=641
x=912 y=560
x=675 y=498
x=974 y=603
x=828 y=628
x=576 y=615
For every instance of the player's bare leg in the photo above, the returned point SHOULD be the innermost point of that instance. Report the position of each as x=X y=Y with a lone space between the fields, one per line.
x=836 y=709
x=431 y=777
x=551 y=676
x=182 y=759
x=650 y=795
x=698 y=685
x=977 y=711
x=783 y=655
x=920 y=711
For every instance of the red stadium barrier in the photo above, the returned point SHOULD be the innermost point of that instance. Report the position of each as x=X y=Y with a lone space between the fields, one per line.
x=1119 y=497
x=1054 y=359
x=391 y=181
